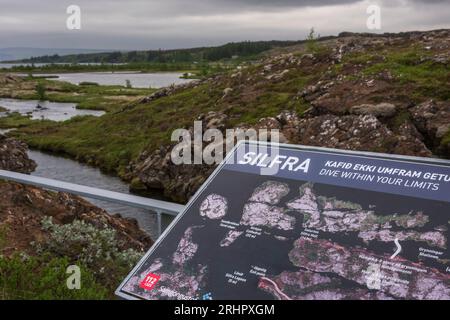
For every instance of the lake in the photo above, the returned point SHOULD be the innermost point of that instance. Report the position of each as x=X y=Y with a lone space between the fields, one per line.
x=67 y=170
x=137 y=79
x=56 y=111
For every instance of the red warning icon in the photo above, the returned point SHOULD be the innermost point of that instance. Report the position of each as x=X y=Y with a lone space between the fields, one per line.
x=149 y=281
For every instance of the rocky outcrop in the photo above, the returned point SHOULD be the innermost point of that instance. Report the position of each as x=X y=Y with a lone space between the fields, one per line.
x=364 y=133
x=167 y=91
x=14 y=157
x=156 y=170
x=432 y=119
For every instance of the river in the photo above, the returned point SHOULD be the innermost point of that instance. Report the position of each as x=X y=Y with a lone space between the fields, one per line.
x=59 y=168
x=55 y=111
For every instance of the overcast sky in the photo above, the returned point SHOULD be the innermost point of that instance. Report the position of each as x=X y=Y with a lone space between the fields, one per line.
x=152 y=24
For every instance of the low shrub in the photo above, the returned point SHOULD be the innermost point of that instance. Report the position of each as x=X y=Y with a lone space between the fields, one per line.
x=98 y=249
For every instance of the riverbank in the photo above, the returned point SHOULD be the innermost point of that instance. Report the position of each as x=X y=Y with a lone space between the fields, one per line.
x=64 y=169
x=42 y=233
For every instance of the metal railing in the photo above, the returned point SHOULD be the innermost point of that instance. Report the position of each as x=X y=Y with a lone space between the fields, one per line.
x=157 y=207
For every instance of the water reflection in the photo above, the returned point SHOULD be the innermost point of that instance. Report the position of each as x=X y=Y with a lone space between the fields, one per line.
x=56 y=111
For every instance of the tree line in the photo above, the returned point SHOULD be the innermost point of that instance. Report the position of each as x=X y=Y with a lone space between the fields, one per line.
x=231 y=50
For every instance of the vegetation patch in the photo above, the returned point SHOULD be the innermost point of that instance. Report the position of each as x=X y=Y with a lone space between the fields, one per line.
x=400 y=119
x=446 y=139
x=97 y=249
x=16 y=120
x=25 y=277
x=102 y=260
x=414 y=67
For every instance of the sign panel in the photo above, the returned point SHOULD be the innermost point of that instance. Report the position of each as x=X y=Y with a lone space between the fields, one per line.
x=288 y=222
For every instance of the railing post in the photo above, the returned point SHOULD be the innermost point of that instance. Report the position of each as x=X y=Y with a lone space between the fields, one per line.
x=159 y=222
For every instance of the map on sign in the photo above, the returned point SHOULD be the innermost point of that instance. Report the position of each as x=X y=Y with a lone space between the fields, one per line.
x=305 y=223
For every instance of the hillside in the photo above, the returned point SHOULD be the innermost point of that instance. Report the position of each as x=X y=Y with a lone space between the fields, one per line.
x=385 y=93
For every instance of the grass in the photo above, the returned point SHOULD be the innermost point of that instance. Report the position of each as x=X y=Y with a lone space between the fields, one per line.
x=114 y=139
x=95 y=97
x=16 y=120
x=86 y=96
x=44 y=278
x=42 y=274
x=411 y=67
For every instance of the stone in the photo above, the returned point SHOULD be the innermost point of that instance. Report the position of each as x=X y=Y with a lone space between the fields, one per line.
x=226 y=92
x=432 y=119
x=14 y=156
x=442 y=131
x=378 y=110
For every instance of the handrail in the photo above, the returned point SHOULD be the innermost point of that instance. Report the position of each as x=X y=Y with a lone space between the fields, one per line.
x=160 y=207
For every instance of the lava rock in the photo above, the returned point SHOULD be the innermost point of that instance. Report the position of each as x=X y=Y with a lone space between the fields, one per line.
x=378 y=110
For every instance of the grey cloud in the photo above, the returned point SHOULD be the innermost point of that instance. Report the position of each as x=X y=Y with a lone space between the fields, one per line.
x=182 y=23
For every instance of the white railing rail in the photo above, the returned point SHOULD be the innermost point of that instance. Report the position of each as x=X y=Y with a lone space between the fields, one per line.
x=157 y=207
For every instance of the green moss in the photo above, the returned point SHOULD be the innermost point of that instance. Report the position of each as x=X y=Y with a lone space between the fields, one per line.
x=400 y=119
x=3 y=235
x=446 y=139
x=137 y=185
x=3 y=109
x=44 y=278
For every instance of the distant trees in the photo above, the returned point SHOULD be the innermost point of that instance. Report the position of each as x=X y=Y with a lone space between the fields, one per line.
x=205 y=54
x=244 y=49
x=114 y=57
x=132 y=56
